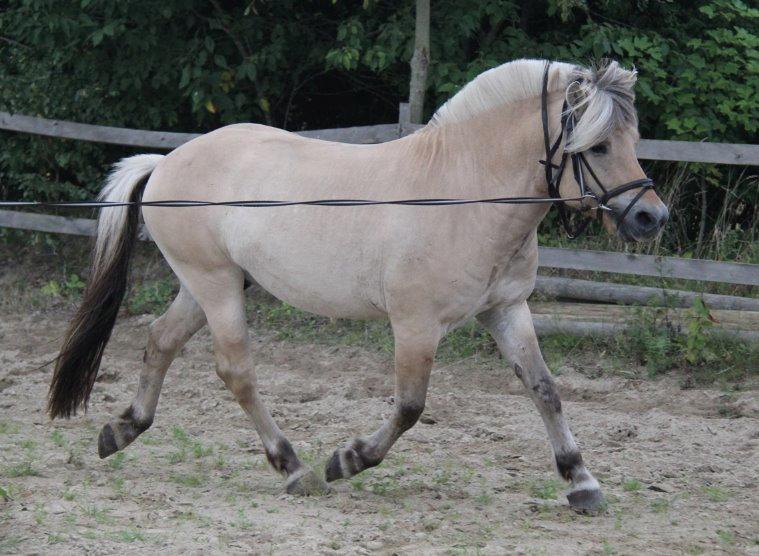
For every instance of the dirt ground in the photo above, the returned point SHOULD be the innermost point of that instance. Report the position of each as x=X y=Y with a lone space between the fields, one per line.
x=679 y=467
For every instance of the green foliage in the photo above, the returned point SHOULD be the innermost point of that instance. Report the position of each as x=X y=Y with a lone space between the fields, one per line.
x=151 y=297
x=71 y=287
x=195 y=65
x=654 y=341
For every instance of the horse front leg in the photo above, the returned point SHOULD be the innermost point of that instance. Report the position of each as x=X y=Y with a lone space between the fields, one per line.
x=415 y=347
x=514 y=333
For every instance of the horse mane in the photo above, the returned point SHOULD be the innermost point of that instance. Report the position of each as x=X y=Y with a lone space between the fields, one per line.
x=601 y=97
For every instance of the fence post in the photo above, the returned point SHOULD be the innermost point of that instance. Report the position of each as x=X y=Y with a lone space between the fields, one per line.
x=419 y=62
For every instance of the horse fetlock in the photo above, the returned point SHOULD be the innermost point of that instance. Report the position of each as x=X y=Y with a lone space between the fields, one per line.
x=570 y=465
x=119 y=434
x=351 y=460
x=282 y=458
x=409 y=414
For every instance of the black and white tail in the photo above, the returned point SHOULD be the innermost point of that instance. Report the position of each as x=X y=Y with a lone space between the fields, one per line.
x=77 y=365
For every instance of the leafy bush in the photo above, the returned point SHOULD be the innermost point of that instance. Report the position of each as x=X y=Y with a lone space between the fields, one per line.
x=195 y=65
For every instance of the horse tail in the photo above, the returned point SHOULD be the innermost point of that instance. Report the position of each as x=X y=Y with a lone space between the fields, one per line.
x=76 y=366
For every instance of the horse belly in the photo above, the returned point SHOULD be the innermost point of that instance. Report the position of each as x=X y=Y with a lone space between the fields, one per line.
x=327 y=269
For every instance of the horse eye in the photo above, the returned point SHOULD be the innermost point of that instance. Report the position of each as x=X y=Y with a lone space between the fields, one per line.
x=598 y=149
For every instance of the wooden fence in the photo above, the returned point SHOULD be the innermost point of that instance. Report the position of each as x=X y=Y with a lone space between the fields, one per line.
x=574 y=259
x=648 y=149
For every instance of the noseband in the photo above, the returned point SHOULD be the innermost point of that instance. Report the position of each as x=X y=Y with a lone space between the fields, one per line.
x=579 y=165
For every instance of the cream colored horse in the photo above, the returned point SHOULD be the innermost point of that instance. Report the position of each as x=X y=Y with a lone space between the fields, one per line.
x=427 y=269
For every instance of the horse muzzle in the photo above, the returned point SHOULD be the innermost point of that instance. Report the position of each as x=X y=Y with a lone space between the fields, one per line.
x=643 y=221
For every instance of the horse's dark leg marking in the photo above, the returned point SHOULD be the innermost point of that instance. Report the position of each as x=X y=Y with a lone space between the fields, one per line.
x=119 y=434
x=545 y=389
x=413 y=366
x=513 y=331
x=283 y=457
x=567 y=463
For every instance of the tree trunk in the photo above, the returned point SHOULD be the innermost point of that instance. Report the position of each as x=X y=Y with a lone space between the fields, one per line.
x=420 y=61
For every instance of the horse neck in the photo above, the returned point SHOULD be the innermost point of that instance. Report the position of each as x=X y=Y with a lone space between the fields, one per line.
x=495 y=154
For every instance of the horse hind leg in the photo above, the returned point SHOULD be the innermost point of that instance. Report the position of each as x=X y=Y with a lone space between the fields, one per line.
x=220 y=293
x=168 y=333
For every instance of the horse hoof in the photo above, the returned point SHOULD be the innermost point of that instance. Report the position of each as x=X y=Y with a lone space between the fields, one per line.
x=589 y=501
x=107 y=442
x=333 y=470
x=306 y=483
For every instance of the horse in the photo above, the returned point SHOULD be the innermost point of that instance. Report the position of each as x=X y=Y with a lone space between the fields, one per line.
x=427 y=269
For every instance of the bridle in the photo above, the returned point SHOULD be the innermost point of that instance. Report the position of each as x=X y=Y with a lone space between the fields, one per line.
x=579 y=165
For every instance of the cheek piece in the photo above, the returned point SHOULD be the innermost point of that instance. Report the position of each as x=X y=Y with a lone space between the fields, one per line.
x=580 y=164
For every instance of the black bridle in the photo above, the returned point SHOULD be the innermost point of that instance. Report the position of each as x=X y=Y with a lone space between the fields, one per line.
x=579 y=165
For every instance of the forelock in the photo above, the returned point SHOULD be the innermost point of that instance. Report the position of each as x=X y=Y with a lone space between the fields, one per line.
x=602 y=99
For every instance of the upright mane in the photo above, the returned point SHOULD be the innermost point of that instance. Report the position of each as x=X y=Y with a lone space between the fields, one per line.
x=601 y=97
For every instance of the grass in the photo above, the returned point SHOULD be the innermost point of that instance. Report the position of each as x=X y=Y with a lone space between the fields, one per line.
x=130 y=535
x=7 y=427
x=116 y=462
x=546 y=490
x=633 y=485
x=189 y=480
x=716 y=494
x=23 y=469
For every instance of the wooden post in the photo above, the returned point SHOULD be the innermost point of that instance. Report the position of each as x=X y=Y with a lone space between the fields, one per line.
x=420 y=61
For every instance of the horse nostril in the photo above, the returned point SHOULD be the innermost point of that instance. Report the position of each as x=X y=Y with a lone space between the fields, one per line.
x=644 y=220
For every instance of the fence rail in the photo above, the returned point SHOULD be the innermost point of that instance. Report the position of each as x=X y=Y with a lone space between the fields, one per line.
x=648 y=149
x=549 y=257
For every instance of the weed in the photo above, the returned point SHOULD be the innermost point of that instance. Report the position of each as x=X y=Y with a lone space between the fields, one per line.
x=70 y=287
x=54 y=538
x=101 y=516
x=9 y=544
x=151 y=297
x=177 y=456
x=28 y=445
x=725 y=537
x=190 y=480
x=200 y=451
x=242 y=521
x=180 y=436
x=483 y=499
x=632 y=485
x=117 y=461
x=545 y=490
x=660 y=505
x=23 y=469
x=6 y=427
x=5 y=493
x=58 y=438
x=716 y=494
x=117 y=485
x=40 y=515
x=130 y=535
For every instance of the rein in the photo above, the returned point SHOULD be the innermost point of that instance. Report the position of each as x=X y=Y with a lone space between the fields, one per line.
x=579 y=165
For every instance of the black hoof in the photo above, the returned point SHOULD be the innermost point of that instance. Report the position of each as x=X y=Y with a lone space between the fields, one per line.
x=587 y=501
x=333 y=471
x=107 y=442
